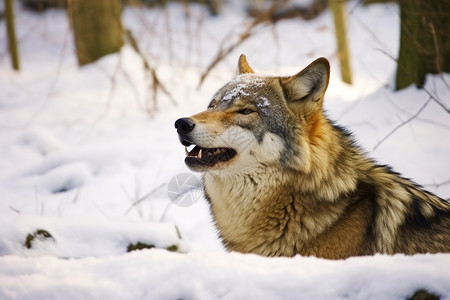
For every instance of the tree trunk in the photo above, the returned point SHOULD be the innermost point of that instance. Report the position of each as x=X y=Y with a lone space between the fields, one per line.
x=337 y=7
x=97 y=28
x=11 y=31
x=424 y=41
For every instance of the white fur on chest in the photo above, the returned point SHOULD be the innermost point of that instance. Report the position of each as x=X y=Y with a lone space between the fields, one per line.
x=235 y=199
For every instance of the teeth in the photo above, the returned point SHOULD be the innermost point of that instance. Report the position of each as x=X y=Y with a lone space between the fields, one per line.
x=203 y=152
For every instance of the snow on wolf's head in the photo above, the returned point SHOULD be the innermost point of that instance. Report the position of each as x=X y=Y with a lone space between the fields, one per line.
x=256 y=119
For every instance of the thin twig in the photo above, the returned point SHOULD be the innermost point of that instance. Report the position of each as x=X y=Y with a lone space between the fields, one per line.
x=435 y=99
x=402 y=124
x=133 y=88
x=54 y=81
x=109 y=97
x=166 y=209
x=15 y=209
x=437 y=185
x=434 y=122
x=132 y=201
x=144 y=197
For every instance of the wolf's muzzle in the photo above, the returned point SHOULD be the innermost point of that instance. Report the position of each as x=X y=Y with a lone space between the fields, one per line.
x=199 y=158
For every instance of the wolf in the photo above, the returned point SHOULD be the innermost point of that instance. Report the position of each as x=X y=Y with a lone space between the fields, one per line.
x=282 y=179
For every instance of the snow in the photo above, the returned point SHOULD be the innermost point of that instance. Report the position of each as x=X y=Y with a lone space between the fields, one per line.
x=263 y=102
x=214 y=275
x=86 y=155
x=244 y=85
x=238 y=91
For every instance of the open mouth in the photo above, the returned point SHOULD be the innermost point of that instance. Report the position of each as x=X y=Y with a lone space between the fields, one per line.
x=198 y=156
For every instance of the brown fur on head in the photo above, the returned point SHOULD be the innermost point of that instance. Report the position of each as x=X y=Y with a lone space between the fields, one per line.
x=236 y=110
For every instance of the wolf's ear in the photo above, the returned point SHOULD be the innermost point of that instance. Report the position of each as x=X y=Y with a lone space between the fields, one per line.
x=243 y=65
x=309 y=84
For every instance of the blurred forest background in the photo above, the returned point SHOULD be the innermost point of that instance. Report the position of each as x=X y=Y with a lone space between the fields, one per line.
x=98 y=31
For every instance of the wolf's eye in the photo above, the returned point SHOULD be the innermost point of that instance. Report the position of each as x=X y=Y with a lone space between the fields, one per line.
x=245 y=111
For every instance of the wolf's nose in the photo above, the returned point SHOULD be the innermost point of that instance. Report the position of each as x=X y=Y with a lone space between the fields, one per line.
x=184 y=125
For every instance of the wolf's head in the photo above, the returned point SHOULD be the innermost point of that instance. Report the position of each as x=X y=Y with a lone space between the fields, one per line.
x=257 y=120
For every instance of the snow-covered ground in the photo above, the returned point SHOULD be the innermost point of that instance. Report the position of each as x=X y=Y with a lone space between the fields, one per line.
x=86 y=156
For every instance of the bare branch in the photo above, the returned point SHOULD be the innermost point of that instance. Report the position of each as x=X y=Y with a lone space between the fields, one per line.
x=267 y=17
x=224 y=51
x=150 y=71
